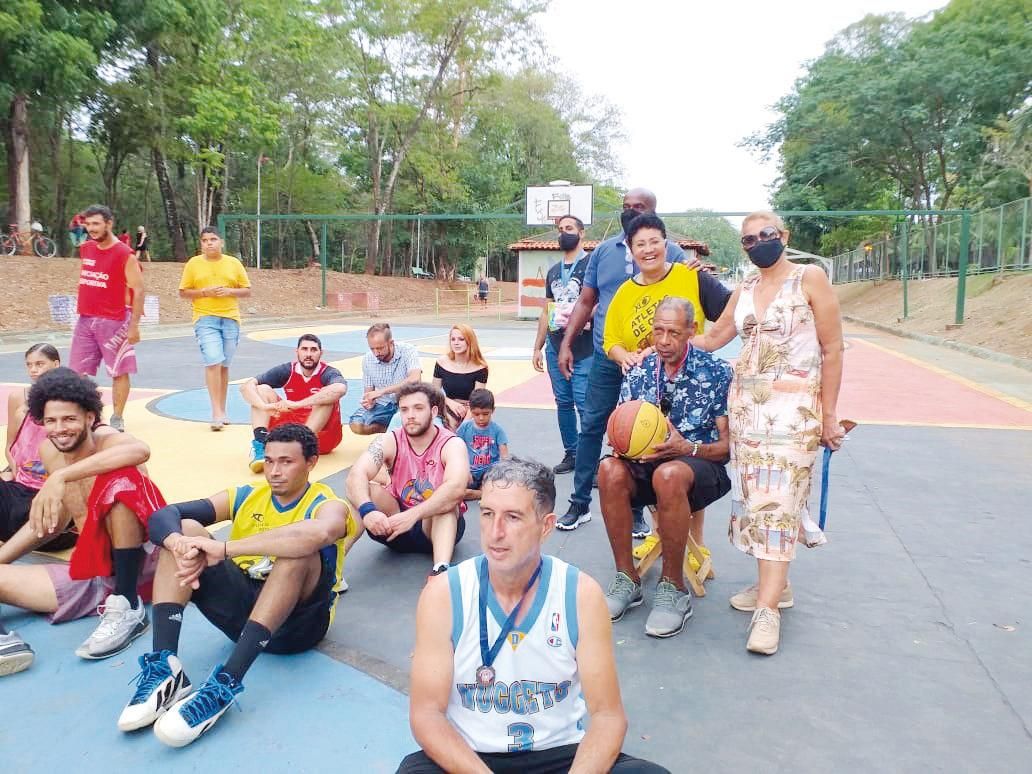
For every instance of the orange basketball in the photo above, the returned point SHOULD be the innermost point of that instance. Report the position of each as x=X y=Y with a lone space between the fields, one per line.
x=635 y=427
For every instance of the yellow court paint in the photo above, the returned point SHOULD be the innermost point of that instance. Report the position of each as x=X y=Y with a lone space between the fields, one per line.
x=1013 y=401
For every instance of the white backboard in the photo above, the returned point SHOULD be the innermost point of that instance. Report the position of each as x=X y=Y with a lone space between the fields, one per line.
x=547 y=202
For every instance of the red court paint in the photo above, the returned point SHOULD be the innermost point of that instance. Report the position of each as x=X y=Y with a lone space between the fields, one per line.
x=880 y=387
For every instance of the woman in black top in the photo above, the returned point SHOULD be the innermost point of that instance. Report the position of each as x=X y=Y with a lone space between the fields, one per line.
x=458 y=372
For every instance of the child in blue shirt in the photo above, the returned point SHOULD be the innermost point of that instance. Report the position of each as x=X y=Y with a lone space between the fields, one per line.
x=485 y=440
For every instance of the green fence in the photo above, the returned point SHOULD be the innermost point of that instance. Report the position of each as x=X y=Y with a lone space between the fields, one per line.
x=1000 y=240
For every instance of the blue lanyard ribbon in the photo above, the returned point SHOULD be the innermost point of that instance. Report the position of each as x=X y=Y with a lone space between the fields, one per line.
x=825 y=467
x=488 y=655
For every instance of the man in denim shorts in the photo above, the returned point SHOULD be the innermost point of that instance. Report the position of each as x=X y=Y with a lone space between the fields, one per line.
x=110 y=305
x=214 y=282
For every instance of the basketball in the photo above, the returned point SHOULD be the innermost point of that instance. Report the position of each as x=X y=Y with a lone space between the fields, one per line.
x=635 y=427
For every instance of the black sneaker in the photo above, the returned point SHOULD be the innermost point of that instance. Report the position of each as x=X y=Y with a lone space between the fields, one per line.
x=438 y=569
x=573 y=518
x=567 y=465
x=641 y=528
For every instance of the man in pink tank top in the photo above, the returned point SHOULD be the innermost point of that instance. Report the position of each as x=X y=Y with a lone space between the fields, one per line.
x=107 y=328
x=421 y=509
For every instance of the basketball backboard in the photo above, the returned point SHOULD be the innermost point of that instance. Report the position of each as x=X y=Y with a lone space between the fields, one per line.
x=547 y=203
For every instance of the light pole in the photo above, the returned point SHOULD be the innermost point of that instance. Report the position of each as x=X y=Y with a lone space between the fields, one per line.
x=262 y=158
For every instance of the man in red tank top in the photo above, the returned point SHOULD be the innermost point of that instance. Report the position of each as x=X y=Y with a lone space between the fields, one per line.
x=421 y=510
x=107 y=328
x=313 y=391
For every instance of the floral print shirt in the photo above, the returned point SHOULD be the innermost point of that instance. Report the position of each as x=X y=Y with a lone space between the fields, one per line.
x=697 y=394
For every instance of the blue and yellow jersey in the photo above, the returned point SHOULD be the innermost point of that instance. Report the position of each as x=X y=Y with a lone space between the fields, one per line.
x=254 y=510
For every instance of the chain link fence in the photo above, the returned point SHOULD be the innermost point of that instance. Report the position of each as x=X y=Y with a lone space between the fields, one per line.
x=1000 y=240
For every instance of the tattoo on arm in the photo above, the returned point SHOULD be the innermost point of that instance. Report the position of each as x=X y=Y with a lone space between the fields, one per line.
x=376 y=451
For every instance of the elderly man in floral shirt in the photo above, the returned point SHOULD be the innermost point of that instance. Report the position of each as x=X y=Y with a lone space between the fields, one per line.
x=684 y=475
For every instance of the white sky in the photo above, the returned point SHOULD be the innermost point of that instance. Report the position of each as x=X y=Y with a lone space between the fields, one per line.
x=695 y=78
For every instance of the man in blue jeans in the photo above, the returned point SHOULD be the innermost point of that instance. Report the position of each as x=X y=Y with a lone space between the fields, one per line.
x=610 y=265
x=562 y=287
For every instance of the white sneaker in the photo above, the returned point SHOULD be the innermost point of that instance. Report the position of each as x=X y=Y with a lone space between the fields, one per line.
x=191 y=717
x=160 y=684
x=119 y=625
x=15 y=654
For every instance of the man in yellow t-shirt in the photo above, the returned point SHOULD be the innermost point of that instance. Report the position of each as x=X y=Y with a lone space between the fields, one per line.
x=214 y=282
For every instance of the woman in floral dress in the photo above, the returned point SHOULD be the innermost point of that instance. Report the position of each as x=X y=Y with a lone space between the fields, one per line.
x=782 y=408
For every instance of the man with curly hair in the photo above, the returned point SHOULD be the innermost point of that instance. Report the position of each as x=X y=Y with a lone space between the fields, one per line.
x=96 y=485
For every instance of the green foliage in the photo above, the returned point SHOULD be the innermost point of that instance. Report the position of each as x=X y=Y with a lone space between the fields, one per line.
x=895 y=113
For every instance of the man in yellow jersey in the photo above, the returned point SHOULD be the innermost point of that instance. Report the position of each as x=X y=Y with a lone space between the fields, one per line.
x=272 y=585
x=214 y=282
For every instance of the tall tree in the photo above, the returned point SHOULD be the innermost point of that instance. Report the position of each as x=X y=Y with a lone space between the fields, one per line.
x=48 y=49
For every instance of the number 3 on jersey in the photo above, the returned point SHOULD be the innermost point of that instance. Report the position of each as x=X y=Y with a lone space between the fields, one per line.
x=522 y=737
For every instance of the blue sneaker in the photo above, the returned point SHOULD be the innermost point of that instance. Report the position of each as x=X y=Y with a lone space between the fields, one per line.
x=257 y=461
x=160 y=684
x=191 y=717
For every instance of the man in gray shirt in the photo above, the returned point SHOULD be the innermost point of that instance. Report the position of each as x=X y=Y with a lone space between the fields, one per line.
x=385 y=369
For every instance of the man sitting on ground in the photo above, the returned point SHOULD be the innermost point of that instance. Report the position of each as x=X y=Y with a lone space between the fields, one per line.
x=386 y=368
x=313 y=391
x=512 y=690
x=272 y=586
x=685 y=474
x=420 y=511
x=95 y=485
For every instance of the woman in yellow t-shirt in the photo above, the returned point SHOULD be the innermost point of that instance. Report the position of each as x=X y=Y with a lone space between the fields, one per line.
x=628 y=330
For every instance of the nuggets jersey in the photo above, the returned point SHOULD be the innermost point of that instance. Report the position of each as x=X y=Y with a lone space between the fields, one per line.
x=254 y=510
x=536 y=701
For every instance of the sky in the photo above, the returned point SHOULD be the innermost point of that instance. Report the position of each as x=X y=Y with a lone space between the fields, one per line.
x=694 y=78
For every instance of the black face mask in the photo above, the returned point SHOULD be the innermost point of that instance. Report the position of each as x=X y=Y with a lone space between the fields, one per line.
x=766 y=254
x=568 y=241
x=627 y=216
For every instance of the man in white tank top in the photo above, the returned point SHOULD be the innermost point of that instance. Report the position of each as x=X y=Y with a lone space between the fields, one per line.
x=497 y=684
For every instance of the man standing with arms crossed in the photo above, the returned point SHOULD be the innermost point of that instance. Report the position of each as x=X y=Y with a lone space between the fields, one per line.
x=214 y=282
x=107 y=329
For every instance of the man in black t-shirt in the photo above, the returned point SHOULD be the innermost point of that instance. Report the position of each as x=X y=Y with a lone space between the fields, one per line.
x=562 y=287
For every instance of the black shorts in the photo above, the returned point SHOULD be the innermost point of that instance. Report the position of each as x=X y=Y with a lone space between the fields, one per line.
x=228 y=594
x=415 y=540
x=711 y=481
x=15 y=502
x=554 y=759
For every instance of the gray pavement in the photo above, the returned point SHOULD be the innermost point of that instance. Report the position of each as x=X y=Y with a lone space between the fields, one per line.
x=910 y=644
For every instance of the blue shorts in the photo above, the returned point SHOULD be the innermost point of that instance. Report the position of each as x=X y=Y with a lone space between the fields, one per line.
x=218 y=338
x=380 y=414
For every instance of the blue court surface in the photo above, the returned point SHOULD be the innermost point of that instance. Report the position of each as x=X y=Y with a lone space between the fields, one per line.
x=303 y=713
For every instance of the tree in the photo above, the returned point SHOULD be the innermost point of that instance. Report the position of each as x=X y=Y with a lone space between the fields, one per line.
x=48 y=50
x=410 y=62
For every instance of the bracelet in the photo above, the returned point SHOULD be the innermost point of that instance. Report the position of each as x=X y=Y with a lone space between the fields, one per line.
x=366 y=508
x=225 y=550
x=695 y=449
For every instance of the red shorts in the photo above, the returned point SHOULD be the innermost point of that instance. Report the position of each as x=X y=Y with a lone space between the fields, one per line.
x=329 y=437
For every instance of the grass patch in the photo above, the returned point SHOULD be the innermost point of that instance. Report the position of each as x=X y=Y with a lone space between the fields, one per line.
x=980 y=283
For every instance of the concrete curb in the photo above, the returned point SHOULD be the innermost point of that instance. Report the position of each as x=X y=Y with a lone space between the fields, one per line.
x=970 y=349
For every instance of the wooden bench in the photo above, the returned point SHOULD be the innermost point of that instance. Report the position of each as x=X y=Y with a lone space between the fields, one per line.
x=695 y=579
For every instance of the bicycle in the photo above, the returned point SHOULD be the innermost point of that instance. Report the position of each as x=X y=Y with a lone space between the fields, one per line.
x=42 y=245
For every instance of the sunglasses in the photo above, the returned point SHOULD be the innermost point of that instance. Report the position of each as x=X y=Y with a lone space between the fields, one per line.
x=766 y=234
x=665 y=405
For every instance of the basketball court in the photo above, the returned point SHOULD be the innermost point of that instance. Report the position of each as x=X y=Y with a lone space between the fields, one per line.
x=907 y=648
